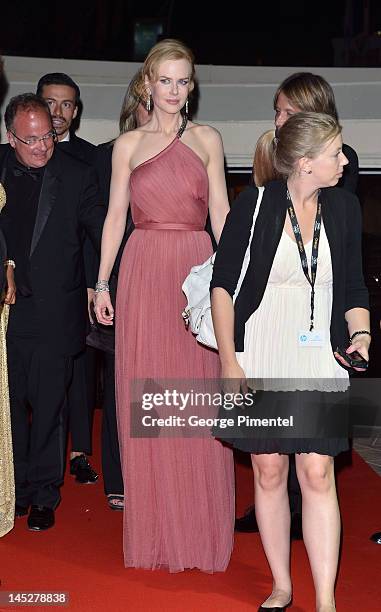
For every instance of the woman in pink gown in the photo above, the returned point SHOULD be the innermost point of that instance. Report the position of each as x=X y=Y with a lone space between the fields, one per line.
x=179 y=510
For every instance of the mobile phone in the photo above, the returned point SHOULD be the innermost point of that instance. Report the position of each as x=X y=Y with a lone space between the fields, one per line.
x=354 y=360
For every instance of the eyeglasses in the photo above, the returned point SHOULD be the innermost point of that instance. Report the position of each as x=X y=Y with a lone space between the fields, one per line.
x=31 y=142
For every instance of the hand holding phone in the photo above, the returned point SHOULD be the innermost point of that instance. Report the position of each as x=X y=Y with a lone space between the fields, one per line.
x=354 y=359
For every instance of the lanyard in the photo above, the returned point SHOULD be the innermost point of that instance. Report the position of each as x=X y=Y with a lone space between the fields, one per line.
x=302 y=253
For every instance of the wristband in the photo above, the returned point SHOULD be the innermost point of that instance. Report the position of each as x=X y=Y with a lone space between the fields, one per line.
x=359 y=333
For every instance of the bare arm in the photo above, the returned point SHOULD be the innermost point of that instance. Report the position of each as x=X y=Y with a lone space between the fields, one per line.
x=10 y=296
x=114 y=226
x=115 y=223
x=218 y=197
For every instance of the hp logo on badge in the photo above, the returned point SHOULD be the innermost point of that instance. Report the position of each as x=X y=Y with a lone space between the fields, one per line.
x=303 y=338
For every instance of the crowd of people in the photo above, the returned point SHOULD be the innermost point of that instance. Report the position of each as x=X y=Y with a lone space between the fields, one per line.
x=107 y=235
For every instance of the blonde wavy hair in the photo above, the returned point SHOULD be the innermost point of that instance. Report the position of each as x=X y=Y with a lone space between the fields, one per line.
x=167 y=49
x=128 y=114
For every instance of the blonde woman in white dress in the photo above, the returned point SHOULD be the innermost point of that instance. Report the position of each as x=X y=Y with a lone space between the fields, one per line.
x=260 y=336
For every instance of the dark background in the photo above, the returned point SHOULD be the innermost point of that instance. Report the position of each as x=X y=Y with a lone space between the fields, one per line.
x=273 y=33
x=282 y=33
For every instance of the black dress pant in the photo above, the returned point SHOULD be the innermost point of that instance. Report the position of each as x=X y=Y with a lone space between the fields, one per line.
x=112 y=471
x=38 y=383
x=81 y=400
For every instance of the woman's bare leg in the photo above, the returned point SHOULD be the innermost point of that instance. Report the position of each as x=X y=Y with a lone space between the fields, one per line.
x=273 y=516
x=321 y=524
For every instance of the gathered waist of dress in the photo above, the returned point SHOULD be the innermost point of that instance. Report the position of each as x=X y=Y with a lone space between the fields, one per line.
x=152 y=225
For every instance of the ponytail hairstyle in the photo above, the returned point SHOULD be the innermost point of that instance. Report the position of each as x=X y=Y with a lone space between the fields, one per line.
x=303 y=135
x=263 y=165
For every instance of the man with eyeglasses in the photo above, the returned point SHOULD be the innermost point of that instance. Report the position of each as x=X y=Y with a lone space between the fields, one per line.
x=62 y=95
x=52 y=198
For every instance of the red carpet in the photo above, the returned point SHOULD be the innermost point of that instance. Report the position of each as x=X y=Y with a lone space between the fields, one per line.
x=82 y=555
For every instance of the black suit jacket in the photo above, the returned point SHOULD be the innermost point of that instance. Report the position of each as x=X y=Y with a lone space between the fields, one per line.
x=86 y=151
x=68 y=206
x=342 y=221
x=350 y=177
x=80 y=148
x=103 y=166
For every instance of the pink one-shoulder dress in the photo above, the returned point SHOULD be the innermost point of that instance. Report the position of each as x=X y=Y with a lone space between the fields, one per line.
x=179 y=492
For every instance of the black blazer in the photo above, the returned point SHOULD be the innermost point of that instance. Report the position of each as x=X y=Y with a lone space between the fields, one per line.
x=350 y=176
x=86 y=151
x=342 y=222
x=103 y=165
x=68 y=206
x=80 y=148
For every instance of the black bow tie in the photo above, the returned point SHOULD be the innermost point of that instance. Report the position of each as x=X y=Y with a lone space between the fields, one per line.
x=34 y=173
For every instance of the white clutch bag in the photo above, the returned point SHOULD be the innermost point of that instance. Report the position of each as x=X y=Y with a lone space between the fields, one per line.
x=198 y=312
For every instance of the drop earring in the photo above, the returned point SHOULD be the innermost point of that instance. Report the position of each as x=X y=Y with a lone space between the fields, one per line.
x=186 y=107
x=148 y=103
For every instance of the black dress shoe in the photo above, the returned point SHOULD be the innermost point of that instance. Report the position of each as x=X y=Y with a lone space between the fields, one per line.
x=376 y=537
x=296 y=527
x=40 y=518
x=21 y=510
x=82 y=470
x=247 y=523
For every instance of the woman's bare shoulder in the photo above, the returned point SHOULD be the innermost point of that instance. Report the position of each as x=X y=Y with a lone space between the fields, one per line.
x=126 y=144
x=129 y=138
x=206 y=133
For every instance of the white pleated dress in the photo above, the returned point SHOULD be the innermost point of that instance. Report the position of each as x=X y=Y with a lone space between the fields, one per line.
x=272 y=349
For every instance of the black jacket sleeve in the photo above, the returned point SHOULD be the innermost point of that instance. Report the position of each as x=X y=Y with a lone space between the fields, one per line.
x=103 y=168
x=91 y=262
x=234 y=241
x=356 y=293
x=91 y=211
x=350 y=176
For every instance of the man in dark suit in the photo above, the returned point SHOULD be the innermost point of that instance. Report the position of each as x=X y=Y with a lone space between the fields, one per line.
x=52 y=199
x=64 y=98
x=63 y=95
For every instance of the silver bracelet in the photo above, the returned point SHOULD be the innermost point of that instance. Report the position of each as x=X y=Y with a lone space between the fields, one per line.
x=9 y=262
x=102 y=285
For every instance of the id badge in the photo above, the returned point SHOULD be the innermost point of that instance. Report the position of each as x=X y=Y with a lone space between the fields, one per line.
x=311 y=339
